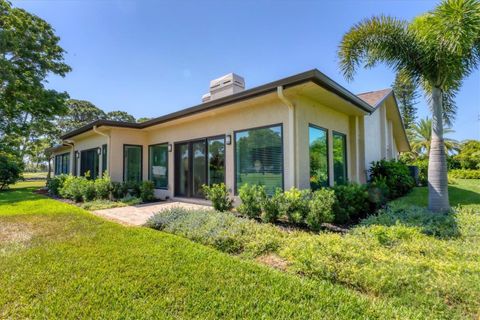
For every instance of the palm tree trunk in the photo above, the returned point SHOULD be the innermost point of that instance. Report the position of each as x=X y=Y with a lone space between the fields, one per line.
x=437 y=163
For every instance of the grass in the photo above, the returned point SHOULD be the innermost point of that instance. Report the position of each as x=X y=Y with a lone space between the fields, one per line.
x=59 y=261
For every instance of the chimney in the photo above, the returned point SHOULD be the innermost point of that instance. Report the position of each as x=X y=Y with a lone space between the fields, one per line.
x=224 y=86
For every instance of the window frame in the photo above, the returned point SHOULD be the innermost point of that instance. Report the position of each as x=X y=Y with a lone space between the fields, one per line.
x=104 y=158
x=344 y=135
x=141 y=160
x=98 y=158
x=314 y=126
x=168 y=164
x=235 y=164
x=57 y=163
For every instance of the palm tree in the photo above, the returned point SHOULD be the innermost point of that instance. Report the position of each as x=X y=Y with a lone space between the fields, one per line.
x=435 y=51
x=421 y=134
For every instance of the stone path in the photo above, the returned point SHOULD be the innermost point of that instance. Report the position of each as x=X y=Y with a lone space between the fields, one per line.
x=139 y=214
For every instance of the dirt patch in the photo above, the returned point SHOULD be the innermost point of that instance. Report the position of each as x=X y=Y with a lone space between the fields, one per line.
x=15 y=233
x=273 y=261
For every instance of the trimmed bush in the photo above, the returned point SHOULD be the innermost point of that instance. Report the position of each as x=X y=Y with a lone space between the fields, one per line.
x=396 y=174
x=147 y=191
x=252 y=197
x=88 y=190
x=134 y=188
x=103 y=187
x=221 y=230
x=73 y=188
x=271 y=206
x=119 y=190
x=351 y=203
x=377 y=193
x=321 y=208
x=10 y=170
x=219 y=196
x=294 y=204
x=464 y=174
x=55 y=184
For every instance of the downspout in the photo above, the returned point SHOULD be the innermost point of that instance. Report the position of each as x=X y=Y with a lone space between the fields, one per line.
x=71 y=143
x=109 y=153
x=291 y=135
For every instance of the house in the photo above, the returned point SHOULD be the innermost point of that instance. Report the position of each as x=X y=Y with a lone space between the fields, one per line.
x=305 y=131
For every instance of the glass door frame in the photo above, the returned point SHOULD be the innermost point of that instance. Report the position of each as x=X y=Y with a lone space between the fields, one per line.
x=176 y=166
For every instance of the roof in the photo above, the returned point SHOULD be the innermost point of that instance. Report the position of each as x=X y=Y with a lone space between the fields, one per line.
x=313 y=75
x=375 y=98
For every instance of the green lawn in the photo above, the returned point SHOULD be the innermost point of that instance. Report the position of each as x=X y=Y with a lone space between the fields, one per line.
x=59 y=261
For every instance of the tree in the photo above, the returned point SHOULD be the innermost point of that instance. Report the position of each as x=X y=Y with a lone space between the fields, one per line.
x=80 y=113
x=469 y=155
x=10 y=170
x=435 y=52
x=143 y=119
x=29 y=52
x=407 y=95
x=120 y=116
x=421 y=134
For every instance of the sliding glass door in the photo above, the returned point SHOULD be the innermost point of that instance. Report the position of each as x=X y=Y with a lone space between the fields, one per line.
x=89 y=164
x=197 y=163
x=132 y=163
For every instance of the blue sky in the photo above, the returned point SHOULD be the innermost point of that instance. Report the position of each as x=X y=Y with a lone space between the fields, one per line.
x=151 y=58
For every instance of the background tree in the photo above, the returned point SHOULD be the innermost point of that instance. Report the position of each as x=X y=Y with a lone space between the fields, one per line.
x=80 y=113
x=120 y=116
x=407 y=95
x=435 y=52
x=421 y=134
x=469 y=155
x=143 y=119
x=29 y=52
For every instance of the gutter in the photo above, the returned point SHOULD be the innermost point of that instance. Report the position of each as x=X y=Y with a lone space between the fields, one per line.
x=291 y=135
x=109 y=153
x=71 y=143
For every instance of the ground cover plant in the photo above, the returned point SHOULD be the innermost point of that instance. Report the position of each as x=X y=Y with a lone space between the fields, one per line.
x=59 y=261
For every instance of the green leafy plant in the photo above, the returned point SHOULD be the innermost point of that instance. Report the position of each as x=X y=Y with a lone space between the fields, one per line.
x=252 y=197
x=295 y=204
x=103 y=187
x=320 y=208
x=219 y=196
x=464 y=174
x=72 y=188
x=271 y=206
x=10 y=170
x=55 y=184
x=119 y=190
x=130 y=200
x=134 y=188
x=147 y=191
x=377 y=193
x=88 y=189
x=396 y=174
x=351 y=202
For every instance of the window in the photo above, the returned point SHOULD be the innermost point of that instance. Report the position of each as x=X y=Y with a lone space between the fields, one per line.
x=318 y=144
x=158 y=165
x=89 y=163
x=216 y=160
x=132 y=163
x=104 y=158
x=339 y=158
x=259 y=157
x=62 y=163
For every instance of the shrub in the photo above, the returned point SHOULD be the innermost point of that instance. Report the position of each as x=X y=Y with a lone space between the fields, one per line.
x=130 y=200
x=252 y=197
x=464 y=174
x=10 y=170
x=377 y=193
x=133 y=188
x=351 y=203
x=422 y=165
x=321 y=208
x=103 y=187
x=219 y=196
x=147 y=191
x=88 y=190
x=119 y=190
x=221 y=230
x=73 y=188
x=54 y=184
x=294 y=204
x=397 y=176
x=271 y=206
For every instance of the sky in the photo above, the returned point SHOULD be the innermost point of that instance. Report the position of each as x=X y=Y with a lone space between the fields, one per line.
x=151 y=58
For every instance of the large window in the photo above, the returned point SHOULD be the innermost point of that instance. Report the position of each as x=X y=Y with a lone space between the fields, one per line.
x=158 y=165
x=104 y=158
x=132 y=163
x=259 y=157
x=89 y=163
x=62 y=163
x=339 y=158
x=318 y=143
x=216 y=160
